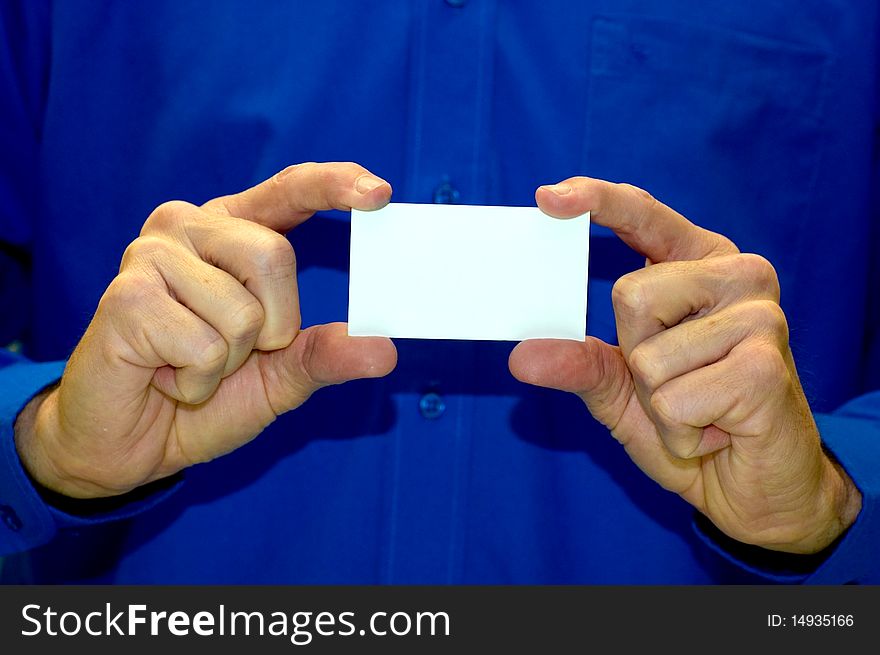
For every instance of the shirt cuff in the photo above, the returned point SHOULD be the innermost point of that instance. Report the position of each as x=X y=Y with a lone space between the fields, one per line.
x=852 y=437
x=29 y=515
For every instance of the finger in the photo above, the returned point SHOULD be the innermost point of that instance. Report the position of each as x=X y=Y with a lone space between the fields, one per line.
x=597 y=373
x=291 y=196
x=652 y=299
x=703 y=341
x=643 y=223
x=728 y=396
x=188 y=354
x=259 y=258
x=323 y=355
x=591 y=369
x=211 y=293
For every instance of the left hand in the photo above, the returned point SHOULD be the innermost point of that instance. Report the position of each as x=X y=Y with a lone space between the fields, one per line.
x=702 y=392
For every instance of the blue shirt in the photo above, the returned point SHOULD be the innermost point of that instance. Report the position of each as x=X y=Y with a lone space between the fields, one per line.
x=758 y=121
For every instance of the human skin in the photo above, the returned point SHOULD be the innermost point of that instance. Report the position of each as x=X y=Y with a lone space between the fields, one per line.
x=702 y=391
x=196 y=347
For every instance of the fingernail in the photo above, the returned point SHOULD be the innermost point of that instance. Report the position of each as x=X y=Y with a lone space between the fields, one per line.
x=366 y=183
x=559 y=189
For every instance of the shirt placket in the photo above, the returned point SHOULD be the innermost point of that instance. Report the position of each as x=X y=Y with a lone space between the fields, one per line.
x=449 y=90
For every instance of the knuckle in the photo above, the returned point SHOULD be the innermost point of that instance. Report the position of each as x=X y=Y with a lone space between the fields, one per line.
x=166 y=217
x=671 y=426
x=211 y=355
x=643 y=195
x=273 y=255
x=765 y=365
x=127 y=292
x=145 y=248
x=723 y=246
x=760 y=271
x=645 y=366
x=628 y=295
x=664 y=408
x=294 y=170
x=679 y=447
x=279 y=339
x=770 y=314
x=316 y=172
x=194 y=390
x=246 y=322
x=328 y=175
x=646 y=200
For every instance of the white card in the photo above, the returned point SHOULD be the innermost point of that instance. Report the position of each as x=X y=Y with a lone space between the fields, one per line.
x=467 y=272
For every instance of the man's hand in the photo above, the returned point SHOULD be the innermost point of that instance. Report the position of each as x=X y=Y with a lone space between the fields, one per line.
x=196 y=345
x=702 y=392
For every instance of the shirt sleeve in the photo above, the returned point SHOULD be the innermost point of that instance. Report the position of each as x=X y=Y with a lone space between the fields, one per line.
x=31 y=516
x=26 y=521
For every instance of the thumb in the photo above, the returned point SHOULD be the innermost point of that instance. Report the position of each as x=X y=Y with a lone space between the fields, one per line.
x=592 y=369
x=320 y=356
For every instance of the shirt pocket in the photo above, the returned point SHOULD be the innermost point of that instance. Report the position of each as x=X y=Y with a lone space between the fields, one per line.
x=722 y=125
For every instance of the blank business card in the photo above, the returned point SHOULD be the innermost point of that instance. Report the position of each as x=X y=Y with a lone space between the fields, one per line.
x=467 y=272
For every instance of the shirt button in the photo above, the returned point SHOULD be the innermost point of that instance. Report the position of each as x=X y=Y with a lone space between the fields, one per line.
x=432 y=405
x=456 y=3
x=445 y=194
x=10 y=518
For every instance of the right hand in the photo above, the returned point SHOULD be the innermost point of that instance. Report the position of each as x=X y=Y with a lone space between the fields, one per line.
x=196 y=345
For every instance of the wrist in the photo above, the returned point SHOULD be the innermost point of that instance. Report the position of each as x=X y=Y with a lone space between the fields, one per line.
x=838 y=504
x=37 y=438
x=846 y=499
x=30 y=433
